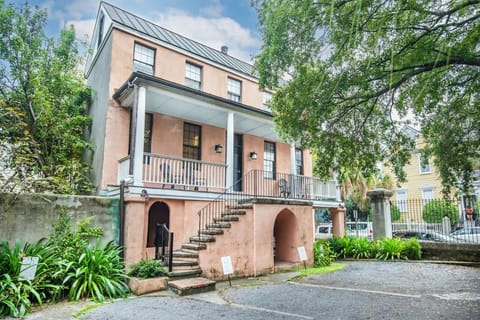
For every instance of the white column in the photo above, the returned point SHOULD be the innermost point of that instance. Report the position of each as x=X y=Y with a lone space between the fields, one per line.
x=230 y=135
x=293 y=166
x=139 y=137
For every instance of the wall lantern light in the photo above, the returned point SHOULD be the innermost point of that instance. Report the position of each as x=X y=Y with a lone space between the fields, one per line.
x=253 y=155
x=218 y=148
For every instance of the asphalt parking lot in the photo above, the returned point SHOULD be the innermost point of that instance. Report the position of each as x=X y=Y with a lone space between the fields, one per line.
x=362 y=290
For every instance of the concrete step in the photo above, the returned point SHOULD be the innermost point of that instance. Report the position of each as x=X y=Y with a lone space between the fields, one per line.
x=191 y=286
x=241 y=206
x=227 y=218
x=184 y=273
x=234 y=212
x=204 y=238
x=184 y=254
x=184 y=263
x=223 y=225
x=194 y=246
x=211 y=232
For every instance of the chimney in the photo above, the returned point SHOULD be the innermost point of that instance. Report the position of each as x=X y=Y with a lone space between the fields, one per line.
x=224 y=49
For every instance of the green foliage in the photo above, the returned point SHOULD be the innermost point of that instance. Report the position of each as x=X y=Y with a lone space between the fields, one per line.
x=15 y=296
x=395 y=212
x=43 y=106
x=356 y=71
x=148 y=269
x=361 y=248
x=434 y=211
x=97 y=273
x=322 y=254
x=342 y=247
x=390 y=249
x=69 y=243
x=412 y=250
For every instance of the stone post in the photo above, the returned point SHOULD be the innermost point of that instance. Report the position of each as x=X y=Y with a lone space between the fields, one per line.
x=338 y=221
x=381 y=217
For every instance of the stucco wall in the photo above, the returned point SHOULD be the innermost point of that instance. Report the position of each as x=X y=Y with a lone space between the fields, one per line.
x=29 y=217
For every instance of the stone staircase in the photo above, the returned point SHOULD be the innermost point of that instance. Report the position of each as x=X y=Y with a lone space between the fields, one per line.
x=185 y=260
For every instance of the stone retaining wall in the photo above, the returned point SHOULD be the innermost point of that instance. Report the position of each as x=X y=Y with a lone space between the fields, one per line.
x=29 y=217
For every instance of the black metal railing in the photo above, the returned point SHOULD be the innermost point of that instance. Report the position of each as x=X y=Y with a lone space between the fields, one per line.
x=164 y=241
x=258 y=183
x=436 y=220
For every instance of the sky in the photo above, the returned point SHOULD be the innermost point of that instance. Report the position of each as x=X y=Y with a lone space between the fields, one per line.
x=212 y=22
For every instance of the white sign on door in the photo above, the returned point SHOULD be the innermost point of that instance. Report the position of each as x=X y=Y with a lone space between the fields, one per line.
x=227 y=265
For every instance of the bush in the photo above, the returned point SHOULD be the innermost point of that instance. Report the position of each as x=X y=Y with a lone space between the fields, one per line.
x=435 y=210
x=412 y=249
x=394 y=212
x=148 y=269
x=390 y=249
x=97 y=273
x=342 y=247
x=322 y=254
x=361 y=248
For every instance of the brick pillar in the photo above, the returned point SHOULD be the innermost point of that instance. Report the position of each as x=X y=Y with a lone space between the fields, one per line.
x=135 y=237
x=338 y=220
x=381 y=217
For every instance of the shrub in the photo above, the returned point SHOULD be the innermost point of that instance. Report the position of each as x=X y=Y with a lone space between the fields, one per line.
x=395 y=212
x=97 y=273
x=148 y=269
x=361 y=248
x=435 y=210
x=342 y=247
x=322 y=254
x=390 y=249
x=412 y=249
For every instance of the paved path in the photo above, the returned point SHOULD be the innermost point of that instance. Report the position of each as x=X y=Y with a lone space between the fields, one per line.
x=363 y=290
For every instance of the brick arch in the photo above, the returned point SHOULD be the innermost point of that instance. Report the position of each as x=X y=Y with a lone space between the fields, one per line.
x=286 y=235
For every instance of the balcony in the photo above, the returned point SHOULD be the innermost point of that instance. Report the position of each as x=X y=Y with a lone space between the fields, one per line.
x=174 y=173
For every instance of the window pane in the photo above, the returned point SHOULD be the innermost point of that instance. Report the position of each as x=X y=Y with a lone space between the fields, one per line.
x=193 y=76
x=143 y=59
x=267 y=96
x=191 y=141
x=269 y=160
x=234 y=89
x=298 y=161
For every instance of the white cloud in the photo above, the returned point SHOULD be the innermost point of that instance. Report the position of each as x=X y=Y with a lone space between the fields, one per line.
x=213 y=10
x=83 y=28
x=213 y=32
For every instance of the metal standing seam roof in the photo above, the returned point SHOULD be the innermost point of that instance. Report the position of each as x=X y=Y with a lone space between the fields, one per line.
x=144 y=26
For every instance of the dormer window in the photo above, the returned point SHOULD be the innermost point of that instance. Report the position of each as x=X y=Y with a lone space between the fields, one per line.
x=143 y=59
x=100 y=31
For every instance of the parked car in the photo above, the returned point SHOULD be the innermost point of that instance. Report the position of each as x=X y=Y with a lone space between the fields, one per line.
x=362 y=229
x=425 y=235
x=324 y=231
x=471 y=235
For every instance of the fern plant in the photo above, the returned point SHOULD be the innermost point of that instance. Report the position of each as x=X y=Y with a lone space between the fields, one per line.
x=390 y=249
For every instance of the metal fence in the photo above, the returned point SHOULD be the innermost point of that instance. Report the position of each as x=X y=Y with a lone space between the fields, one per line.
x=435 y=220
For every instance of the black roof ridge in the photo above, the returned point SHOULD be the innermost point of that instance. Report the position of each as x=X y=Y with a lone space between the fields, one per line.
x=227 y=56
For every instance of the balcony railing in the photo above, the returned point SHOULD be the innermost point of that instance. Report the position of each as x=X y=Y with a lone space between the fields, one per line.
x=172 y=172
x=168 y=172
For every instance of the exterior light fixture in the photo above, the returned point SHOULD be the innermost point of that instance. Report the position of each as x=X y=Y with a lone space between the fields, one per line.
x=218 y=148
x=253 y=155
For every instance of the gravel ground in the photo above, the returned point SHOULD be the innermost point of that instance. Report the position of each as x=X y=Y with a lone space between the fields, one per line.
x=363 y=290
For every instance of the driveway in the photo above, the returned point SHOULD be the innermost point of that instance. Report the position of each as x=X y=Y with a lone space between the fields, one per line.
x=363 y=290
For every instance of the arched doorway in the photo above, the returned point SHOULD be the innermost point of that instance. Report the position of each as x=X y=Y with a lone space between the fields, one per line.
x=159 y=213
x=285 y=234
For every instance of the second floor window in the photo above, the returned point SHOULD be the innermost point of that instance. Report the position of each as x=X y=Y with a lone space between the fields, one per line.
x=269 y=160
x=143 y=59
x=191 y=141
x=193 y=76
x=402 y=200
x=424 y=164
x=234 y=90
x=266 y=97
x=299 y=161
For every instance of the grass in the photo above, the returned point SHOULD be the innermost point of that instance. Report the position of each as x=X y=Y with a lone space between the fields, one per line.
x=320 y=270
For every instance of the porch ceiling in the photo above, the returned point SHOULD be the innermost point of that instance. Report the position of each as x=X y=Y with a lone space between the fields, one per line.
x=181 y=102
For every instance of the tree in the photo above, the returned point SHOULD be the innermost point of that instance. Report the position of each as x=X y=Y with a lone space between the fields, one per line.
x=357 y=70
x=436 y=210
x=43 y=102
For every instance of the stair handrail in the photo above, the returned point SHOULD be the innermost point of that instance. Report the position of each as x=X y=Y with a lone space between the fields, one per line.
x=164 y=238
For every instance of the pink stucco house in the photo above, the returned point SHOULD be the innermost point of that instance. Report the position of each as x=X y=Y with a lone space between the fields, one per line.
x=185 y=131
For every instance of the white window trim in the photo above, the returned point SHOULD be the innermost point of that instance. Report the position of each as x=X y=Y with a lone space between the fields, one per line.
x=403 y=207
x=199 y=81
x=233 y=94
x=419 y=156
